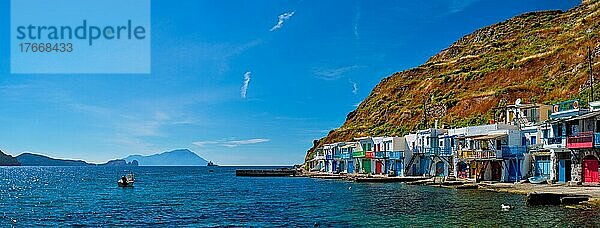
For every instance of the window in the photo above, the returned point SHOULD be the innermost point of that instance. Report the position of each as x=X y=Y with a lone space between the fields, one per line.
x=533 y=140
x=545 y=133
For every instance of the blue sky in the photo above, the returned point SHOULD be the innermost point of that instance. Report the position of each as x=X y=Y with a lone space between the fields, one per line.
x=303 y=77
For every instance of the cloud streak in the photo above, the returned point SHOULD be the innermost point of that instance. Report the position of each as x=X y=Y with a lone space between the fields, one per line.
x=231 y=143
x=354 y=87
x=245 y=84
x=282 y=18
x=335 y=73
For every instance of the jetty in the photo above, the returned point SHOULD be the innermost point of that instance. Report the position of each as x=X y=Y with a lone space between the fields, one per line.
x=266 y=172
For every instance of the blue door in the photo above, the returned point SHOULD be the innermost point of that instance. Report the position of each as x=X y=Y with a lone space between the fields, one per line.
x=542 y=168
x=350 y=166
x=514 y=169
x=562 y=171
x=334 y=166
x=424 y=166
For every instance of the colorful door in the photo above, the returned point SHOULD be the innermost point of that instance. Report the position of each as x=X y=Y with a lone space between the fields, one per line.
x=350 y=167
x=514 y=169
x=366 y=165
x=590 y=170
x=439 y=169
x=378 y=165
x=425 y=165
x=564 y=171
x=542 y=168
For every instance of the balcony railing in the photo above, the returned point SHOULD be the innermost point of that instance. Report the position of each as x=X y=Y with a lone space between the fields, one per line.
x=417 y=150
x=370 y=154
x=395 y=154
x=337 y=156
x=346 y=156
x=477 y=154
x=358 y=154
x=554 y=141
x=513 y=151
x=379 y=154
x=328 y=156
x=445 y=151
x=319 y=157
x=581 y=140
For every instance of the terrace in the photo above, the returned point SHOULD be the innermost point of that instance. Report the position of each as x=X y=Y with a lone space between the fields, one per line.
x=477 y=154
x=581 y=140
x=395 y=154
x=513 y=151
x=359 y=154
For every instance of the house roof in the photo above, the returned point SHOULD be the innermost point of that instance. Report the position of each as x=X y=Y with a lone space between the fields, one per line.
x=587 y=115
x=490 y=136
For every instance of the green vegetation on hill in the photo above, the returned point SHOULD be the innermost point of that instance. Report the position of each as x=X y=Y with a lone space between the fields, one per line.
x=539 y=57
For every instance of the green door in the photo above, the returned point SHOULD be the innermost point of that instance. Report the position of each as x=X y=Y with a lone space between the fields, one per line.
x=366 y=164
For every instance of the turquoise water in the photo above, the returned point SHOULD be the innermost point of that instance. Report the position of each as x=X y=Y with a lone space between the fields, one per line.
x=195 y=196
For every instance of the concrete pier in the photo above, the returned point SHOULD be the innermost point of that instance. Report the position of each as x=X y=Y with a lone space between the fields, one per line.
x=265 y=172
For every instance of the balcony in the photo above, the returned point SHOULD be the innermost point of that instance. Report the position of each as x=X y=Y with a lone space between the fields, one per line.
x=319 y=157
x=346 y=156
x=417 y=150
x=597 y=139
x=513 y=151
x=370 y=154
x=337 y=156
x=554 y=141
x=477 y=154
x=379 y=154
x=328 y=157
x=358 y=154
x=445 y=151
x=395 y=154
x=581 y=140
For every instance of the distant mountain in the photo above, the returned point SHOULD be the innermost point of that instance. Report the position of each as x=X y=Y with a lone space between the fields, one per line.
x=29 y=159
x=120 y=162
x=181 y=157
x=7 y=160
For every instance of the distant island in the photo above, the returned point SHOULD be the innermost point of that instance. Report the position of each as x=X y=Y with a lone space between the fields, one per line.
x=180 y=157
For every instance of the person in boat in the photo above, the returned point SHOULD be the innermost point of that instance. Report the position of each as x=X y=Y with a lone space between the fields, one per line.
x=124 y=180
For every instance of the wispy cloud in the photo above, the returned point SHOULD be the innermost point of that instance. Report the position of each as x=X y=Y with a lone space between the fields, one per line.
x=280 y=19
x=235 y=143
x=356 y=20
x=204 y=143
x=335 y=73
x=245 y=84
x=354 y=87
x=231 y=143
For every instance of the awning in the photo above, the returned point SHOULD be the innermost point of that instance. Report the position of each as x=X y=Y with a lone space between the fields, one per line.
x=585 y=116
x=492 y=136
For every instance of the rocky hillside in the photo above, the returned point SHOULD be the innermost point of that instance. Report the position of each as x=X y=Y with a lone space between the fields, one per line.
x=538 y=57
x=7 y=160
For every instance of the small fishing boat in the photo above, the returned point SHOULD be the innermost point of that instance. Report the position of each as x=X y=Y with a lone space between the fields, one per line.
x=538 y=179
x=210 y=163
x=126 y=181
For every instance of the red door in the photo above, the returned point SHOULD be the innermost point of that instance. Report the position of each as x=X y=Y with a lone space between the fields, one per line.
x=590 y=170
x=377 y=167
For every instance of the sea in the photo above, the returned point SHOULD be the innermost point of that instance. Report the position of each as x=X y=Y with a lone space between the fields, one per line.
x=197 y=197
